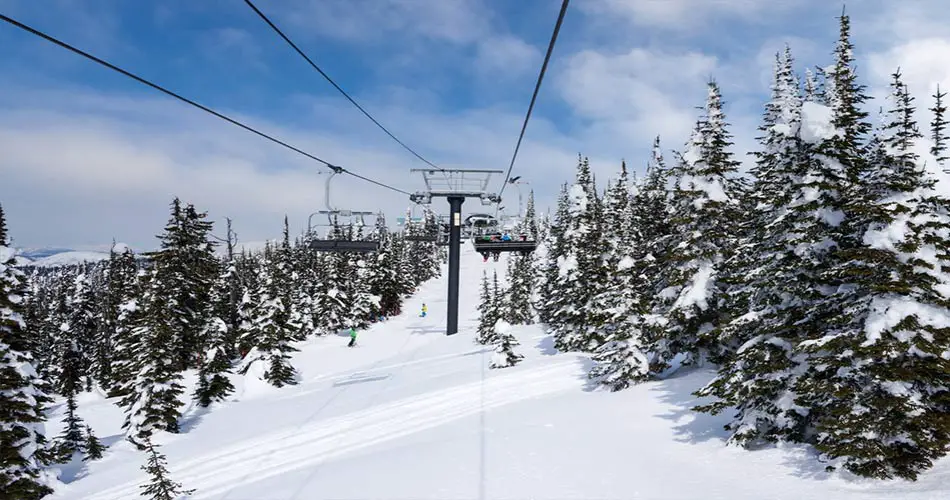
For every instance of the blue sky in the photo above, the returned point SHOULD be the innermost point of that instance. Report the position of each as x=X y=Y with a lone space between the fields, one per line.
x=87 y=155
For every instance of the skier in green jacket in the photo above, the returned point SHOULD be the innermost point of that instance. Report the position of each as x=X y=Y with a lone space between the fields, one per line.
x=352 y=337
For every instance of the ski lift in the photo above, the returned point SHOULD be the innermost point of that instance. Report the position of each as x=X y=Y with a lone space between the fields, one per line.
x=494 y=243
x=441 y=237
x=335 y=245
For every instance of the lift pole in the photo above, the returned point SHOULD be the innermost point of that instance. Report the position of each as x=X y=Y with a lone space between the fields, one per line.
x=455 y=185
x=455 y=247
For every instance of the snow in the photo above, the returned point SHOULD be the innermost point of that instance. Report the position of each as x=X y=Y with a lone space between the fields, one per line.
x=816 y=123
x=413 y=414
x=697 y=293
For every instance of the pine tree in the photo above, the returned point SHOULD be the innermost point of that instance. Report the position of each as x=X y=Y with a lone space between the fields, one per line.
x=620 y=358
x=504 y=342
x=161 y=487
x=520 y=277
x=213 y=383
x=487 y=314
x=93 y=447
x=153 y=403
x=938 y=129
x=119 y=304
x=71 y=440
x=580 y=270
x=190 y=269
x=530 y=222
x=554 y=248
x=879 y=387
x=269 y=329
x=3 y=228
x=704 y=207
x=22 y=439
x=774 y=276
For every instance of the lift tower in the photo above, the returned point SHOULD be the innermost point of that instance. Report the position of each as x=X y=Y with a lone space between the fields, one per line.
x=455 y=185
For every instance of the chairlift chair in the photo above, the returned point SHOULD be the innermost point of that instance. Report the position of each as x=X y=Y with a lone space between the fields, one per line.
x=334 y=245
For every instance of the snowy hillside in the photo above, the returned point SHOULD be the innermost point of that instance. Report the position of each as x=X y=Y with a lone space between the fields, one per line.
x=411 y=413
x=70 y=258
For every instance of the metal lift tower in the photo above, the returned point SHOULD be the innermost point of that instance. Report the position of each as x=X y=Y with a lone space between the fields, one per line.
x=455 y=185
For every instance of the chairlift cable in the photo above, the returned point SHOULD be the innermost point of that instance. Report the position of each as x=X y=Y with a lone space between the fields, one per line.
x=189 y=101
x=537 y=87
x=327 y=77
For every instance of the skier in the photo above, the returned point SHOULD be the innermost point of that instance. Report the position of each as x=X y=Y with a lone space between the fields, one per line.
x=506 y=237
x=424 y=310
x=352 y=337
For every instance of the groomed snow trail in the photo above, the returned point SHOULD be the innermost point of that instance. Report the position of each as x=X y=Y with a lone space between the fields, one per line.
x=412 y=414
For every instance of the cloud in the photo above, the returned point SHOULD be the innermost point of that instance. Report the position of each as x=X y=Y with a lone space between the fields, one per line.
x=683 y=14
x=80 y=167
x=455 y=21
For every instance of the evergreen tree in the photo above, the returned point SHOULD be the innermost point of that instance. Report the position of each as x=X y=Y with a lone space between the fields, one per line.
x=153 y=403
x=82 y=327
x=879 y=387
x=22 y=439
x=704 y=207
x=620 y=358
x=93 y=447
x=580 y=270
x=3 y=228
x=487 y=314
x=72 y=439
x=213 y=383
x=271 y=315
x=190 y=269
x=938 y=129
x=521 y=284
x=504 y=342
x=775 y=276
x=161 y=487
x=554 y=248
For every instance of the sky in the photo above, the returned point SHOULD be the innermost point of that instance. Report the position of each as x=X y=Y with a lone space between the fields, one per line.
x=88 y=156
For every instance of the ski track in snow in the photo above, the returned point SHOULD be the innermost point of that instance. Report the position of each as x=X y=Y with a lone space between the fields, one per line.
x=220 y=472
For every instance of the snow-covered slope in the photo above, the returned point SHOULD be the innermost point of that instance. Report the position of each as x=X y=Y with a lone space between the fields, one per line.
x=413 y=414
x=70 y=258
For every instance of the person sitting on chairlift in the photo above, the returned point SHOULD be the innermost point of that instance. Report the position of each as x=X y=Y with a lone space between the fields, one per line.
x=506 y=237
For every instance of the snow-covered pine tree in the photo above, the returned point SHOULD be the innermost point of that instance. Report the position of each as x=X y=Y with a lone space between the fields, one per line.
x=93 y=447
x=3 y=227
x=620 y=358
x=213 y=382
x=504 y=342
x=879 y=387
x=579 y=269
x=705 y=205
x=812 y=88
x=940 y=143
x=487 y=314
x=22 y=439
x=499 y=296
x=530 y=223
x=119 y=305
x=71 y=440
x=153 y=403
x=82 y=327
x=521 y=282
x=783 y=250
x=274 y=319
x=554 y=249
x=190 y=269
x=651 y=224
x=161 y=485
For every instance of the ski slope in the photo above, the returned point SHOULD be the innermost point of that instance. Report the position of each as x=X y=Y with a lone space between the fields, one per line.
x=413 y=414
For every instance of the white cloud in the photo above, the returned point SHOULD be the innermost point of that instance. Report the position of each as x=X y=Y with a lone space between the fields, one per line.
x=683 y=14
x=456 y=21
x=504 y=56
